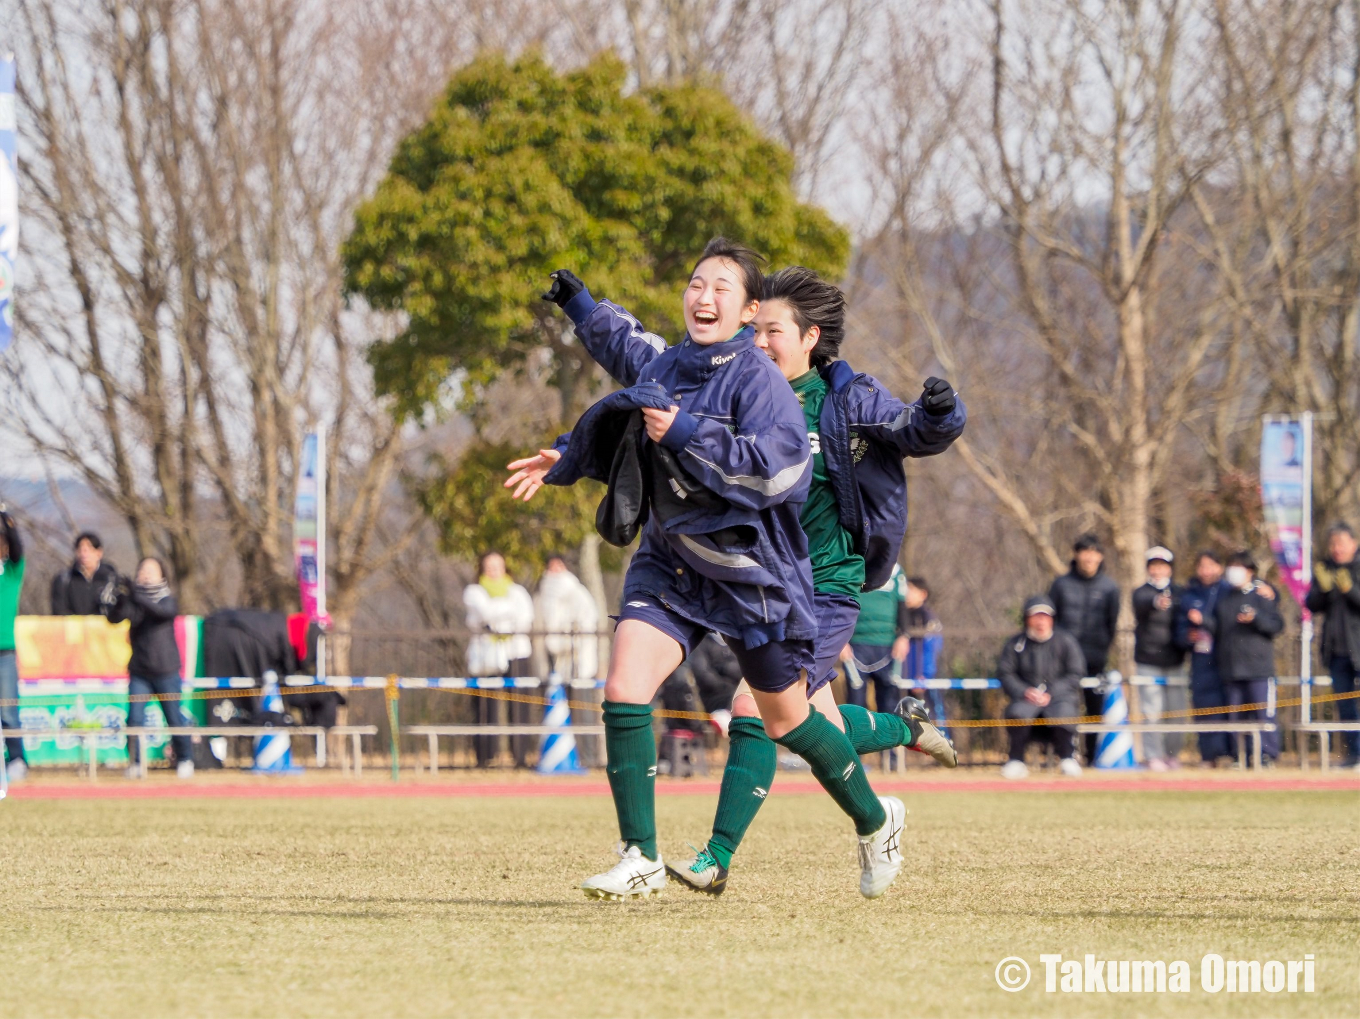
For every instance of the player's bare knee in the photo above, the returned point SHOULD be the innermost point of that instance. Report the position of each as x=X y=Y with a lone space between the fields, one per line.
x=744 y=706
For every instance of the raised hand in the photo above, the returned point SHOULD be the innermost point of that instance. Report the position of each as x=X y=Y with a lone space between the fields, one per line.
x=937 y=397
x=564 y=287
x=529 y=473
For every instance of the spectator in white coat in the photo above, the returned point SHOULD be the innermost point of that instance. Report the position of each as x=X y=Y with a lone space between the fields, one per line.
x=569 y=617
x=500 y=616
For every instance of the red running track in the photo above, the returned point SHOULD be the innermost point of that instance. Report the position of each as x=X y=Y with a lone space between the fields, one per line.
x=283 y=788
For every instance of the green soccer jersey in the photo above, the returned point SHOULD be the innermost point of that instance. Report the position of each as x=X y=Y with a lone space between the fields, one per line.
x=836 y=569
x=11 y=579
x=877 y=625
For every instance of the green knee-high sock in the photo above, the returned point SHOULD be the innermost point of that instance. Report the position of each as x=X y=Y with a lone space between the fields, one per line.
x=835 y=764
x=751 y=761
x=872 y=731
x=630 y=749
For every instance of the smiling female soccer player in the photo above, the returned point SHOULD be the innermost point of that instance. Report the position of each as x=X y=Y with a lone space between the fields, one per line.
x=854 y=519
x=737 y=565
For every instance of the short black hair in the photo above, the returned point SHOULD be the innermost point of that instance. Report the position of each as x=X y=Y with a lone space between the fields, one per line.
x=89 y=536
x=919 y=583
x=1244 y=558
x=814 y=302
x=1208 y=553
x=747 y=261
x=1340 y=527
x=1088 y=541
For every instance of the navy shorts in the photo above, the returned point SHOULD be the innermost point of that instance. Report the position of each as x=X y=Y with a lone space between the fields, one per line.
x=770 y=668
x=837 y=615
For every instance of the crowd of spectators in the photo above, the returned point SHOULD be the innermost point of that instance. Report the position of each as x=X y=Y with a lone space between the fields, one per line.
x=1207 y=644
x=1212 y=639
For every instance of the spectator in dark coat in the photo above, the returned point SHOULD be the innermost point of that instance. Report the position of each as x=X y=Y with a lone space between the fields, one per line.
x=1087 y=603
x=155 y=666
x=1206 y=689
x=1040 y=670
x=245 y=642
x=1335 y=592
x=1245 y=623
x=1158 y=656
x=79 y=589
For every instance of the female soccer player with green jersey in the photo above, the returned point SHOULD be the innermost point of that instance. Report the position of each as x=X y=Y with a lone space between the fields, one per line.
x=717 y=482
x=855 y=511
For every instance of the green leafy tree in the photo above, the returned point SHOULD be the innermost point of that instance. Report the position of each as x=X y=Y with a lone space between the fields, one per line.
x=520 y=170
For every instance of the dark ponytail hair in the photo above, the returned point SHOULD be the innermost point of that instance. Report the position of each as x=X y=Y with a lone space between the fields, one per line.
x=748 y=263
x=814 y=302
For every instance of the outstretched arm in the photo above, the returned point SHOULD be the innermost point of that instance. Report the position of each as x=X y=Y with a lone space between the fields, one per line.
x=924 y=428
x=613 y=337
x=9 y=531
x=529 y=473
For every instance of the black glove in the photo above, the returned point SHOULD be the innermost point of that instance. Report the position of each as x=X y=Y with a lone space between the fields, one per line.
x=938 y=397
x=564 y=287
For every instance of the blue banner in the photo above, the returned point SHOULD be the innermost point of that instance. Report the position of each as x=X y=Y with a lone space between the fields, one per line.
x=1284 y=480
x=9 y=199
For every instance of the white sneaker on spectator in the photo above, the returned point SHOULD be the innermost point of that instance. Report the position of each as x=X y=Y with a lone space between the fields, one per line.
x=633 y=877
x=133 y=771
x=1069 y=767
x=1014 y=769
x=16 y=770
x=1156 y=764
x=880 y=854
x=185 y=769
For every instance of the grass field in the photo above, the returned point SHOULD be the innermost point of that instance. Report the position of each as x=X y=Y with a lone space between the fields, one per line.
x=452 y=906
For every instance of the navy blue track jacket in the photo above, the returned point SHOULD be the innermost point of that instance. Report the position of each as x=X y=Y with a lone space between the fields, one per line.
x=740 y=432
x=865 y=433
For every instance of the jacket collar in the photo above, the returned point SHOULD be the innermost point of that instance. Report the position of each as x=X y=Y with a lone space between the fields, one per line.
x=704 y=359
x=838 y=375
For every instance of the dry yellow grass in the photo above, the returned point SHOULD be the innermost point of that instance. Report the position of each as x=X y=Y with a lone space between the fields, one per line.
x=468 y=907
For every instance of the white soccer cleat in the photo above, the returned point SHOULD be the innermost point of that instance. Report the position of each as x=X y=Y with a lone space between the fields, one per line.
x=16 y=770
x=185 y=769
x=880 y=854
x=1015 y=770
x=702 y=874
x=1069 y=767
x=633 y=877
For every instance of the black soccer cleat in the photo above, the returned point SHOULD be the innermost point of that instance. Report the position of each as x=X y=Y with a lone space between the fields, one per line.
x=925 y=738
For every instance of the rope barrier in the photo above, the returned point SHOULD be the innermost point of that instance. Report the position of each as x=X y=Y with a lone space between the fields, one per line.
x=695 y=716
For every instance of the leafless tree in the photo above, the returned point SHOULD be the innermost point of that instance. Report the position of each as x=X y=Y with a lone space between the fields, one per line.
x=1283 y=218
x=190 y=171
